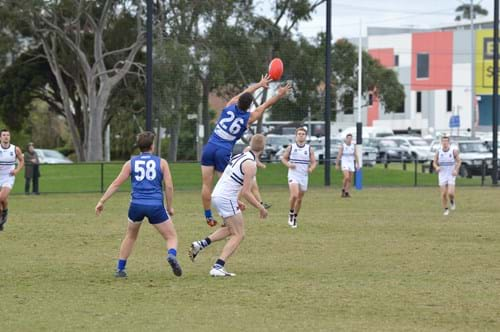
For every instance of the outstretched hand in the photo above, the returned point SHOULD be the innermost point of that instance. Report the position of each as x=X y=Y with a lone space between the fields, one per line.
x=284 y=90
x=265 y=80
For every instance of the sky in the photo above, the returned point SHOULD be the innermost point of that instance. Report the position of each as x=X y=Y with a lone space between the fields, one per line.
x=386 y=13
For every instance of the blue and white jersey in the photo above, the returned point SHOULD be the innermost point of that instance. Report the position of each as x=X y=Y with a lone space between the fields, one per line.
x=231 y=181
x=300 y=156
x=146 y=177
x=230 y=127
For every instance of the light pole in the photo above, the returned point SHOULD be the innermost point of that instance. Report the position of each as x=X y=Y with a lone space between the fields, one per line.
x=328 y=69
x=149 y=64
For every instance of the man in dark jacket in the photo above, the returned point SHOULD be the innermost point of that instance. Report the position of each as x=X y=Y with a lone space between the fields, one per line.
x=31 y=170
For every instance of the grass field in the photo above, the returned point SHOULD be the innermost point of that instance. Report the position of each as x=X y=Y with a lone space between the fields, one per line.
x=385 y=260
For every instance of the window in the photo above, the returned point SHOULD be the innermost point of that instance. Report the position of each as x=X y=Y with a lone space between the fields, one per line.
x=449 y=99
x=348 y=103
x=396 y=60
x=422 y=65
x=419 y=101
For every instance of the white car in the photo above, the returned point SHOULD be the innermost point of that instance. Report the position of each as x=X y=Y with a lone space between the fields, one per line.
x=47 y=156
x=416 y=146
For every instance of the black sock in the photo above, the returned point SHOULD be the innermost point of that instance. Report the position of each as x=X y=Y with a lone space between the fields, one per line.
x=4 y=212
x=205 y=243
x=220 y=262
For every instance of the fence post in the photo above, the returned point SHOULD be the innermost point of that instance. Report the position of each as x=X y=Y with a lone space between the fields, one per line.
x=483 y=172
x=403 y=159
x=415 y=161
x=102 y=177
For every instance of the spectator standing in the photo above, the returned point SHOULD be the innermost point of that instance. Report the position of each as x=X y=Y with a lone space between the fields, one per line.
x=31 y=170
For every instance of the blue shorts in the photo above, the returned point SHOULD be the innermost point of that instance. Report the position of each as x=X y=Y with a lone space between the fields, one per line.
x=156 y=214
x=216 y=156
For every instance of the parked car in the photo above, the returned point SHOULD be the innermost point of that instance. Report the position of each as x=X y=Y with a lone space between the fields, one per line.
x=273 y=144
x=389 y=150
x=417 y=147
x=472 y=153
x=47 y=156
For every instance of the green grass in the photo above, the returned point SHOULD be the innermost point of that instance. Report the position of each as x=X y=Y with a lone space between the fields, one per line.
x=78 y=178
x=385 y=260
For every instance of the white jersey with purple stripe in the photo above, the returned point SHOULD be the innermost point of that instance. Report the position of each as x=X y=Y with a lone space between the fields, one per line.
x=300 y=157
x=446 y=161
x=231 y=181
x=7 y=159
x=231 y=125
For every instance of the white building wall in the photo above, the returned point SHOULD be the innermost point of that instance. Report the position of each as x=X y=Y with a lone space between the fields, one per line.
x=461 y=93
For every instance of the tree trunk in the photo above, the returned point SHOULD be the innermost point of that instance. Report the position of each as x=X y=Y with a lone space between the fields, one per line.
x=205 y=116
x=174 y=139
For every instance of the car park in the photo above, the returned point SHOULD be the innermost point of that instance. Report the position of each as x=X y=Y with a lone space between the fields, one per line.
x=473 y=154
x=47 y=156
x=416 y=146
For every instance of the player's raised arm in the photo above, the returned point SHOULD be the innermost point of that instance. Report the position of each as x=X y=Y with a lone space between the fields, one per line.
x=169 y=186
x=312 y=158
x=113 y=187
x=282 y=92
x=264 y=83
x=20 y=164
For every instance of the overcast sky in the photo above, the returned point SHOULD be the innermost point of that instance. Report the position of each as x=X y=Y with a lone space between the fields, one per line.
x=386 y=13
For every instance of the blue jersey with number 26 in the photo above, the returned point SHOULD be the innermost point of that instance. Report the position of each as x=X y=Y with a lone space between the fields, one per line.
x=146 y=177
x=230 y=127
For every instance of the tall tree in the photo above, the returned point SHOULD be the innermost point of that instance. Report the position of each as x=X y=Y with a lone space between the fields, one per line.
x=84 y=32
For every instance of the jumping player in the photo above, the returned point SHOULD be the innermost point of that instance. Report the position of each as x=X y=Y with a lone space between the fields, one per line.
x=147 y=172
x=8 y=171
x=300 y=160
x=230 y=126
x=447 y=163
x=349 y=162
x=237 y=179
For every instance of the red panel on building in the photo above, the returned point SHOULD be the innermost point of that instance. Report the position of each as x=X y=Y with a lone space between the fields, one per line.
x=432 y=52
x=373 y=110
x=384 y=55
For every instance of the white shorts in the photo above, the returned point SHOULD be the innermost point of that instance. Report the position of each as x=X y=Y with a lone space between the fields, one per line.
x=7 y=181
x=301 y=181
x=225 y=207
x=348 y=167
x=446 y=179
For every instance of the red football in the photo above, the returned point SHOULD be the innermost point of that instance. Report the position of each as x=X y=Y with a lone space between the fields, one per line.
x=276 y=69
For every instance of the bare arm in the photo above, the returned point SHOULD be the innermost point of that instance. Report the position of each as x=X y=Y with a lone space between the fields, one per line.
x=283 y=91
x=313 y=163
x=435 y=163
x=20 y=164
x=339 y=156
x=356 y=157
x=285 y=159
x=169 y=186
x=113 y=187
x=250 y=169
x=264 y=83
x=458 y=162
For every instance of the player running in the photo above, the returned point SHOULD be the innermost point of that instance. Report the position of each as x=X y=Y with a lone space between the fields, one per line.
x=300 y=160
x=447 y=163
x=147 y=173
x=9 y=153
x=348 y=159
x=237 y=179
x=230 y=126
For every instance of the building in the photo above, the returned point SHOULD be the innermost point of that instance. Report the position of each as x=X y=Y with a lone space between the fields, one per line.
x=435 y=68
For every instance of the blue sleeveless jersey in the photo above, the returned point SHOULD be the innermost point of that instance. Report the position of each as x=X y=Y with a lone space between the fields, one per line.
x=146 y=177
x=230 y=127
